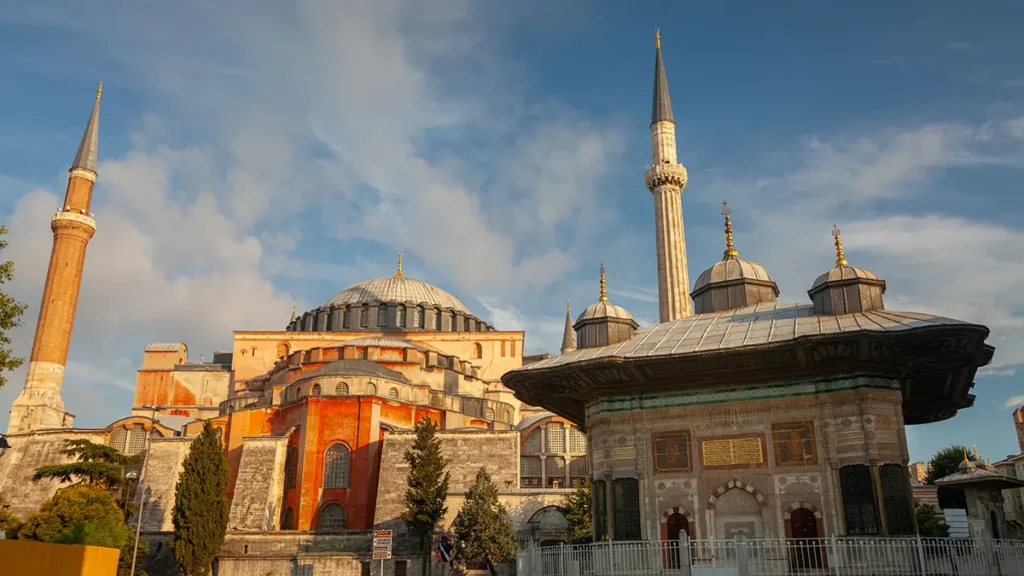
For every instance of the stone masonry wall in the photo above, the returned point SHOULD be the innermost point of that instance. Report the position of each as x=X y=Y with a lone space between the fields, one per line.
x=28 y=452
x=260 y=485
x=466 y=452
x=166 y=456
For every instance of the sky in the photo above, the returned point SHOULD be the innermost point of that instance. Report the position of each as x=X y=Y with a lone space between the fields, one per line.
x=255 y=154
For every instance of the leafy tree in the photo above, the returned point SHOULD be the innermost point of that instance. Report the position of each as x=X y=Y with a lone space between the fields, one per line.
x=201 y=505
x=427 y=485
x=943 y=463
x=9 y=523
x=111 y=535
x=95 y=464
x=483 y=528
x=930 y=522
x=577 y=511
x=10 y=316
x=68 y=507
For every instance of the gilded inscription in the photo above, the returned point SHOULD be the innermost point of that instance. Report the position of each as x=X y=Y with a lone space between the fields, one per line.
x=732 y=451
x=623 y=453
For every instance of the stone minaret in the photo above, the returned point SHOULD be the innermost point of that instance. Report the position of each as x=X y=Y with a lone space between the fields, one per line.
x=666 y=179
x=569 y=333
x=39 y=405
x=1018 y=424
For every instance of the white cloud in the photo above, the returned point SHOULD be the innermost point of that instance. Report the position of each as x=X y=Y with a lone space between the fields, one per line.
x=1014 y=401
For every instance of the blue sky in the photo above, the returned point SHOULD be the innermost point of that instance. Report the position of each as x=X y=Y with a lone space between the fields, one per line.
x=258 y=153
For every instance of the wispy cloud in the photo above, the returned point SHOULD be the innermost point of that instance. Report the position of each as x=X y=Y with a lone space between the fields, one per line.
x=959 y=45
x=1014 y=401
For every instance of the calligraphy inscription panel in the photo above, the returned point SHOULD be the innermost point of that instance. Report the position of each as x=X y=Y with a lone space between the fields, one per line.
x=748 y=451
x=672 y=452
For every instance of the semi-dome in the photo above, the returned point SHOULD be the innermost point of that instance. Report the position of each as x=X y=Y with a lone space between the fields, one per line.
x=732 y=282
x=397 y=289
x=846 y=289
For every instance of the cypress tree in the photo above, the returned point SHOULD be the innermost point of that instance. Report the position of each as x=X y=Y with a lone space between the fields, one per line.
x=201 y=505
x=427 y=486
x=483 y=528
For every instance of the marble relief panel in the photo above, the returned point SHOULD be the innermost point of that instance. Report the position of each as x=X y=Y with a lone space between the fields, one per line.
x=798 y=483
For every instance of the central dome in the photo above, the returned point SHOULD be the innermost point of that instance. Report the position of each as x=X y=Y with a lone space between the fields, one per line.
x=397 y=289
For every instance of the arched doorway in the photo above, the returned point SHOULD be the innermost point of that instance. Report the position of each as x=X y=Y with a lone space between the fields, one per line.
x=676 y=524
x=804 y=547
x=995 y=523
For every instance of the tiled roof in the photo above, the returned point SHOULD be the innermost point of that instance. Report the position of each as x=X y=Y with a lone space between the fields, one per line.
x=764 y=323
x=533 y=419
x=397 y=290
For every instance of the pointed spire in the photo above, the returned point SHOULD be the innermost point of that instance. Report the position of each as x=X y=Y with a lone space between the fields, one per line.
x=730 y=251
x=661 y=110
x=295 y=307
x=840 y=258
x=85 y=159
x=604 y=292
x=568 y=335
x=399 y=274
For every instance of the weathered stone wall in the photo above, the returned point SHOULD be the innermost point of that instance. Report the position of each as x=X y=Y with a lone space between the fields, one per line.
x=466 y=452
x=166 y=456
x=28 y=452
x=298 y=565
x=260 y=485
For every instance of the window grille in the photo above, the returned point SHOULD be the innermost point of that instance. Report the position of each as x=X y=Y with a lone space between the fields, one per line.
x=896 y=499
x=489 y=414
x=315 y=391
x=556 y=437
x=336 y=466
x=858 y=500
x=532 y=444
x=333 y=518
x=393 y=394
x=401 y=316
x=554 y=468
x=600 y=511
x=382 y=315
x=529 y=471
x=136 y=441
x=286 y=521
x=578 y=471
x=291 y=468
x=506 y=416
x=626 y=503
x=577 y=440
x=341 y=389
x=370 y=389
x=119 y=439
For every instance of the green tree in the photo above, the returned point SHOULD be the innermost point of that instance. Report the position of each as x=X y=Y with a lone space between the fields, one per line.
x=930 y=522
x=576 y=507
x=483 y=528
x=95 y=464
x=10 y=524
x=943 y=463
x=111 y=535
x=68 y=507
x=201 y=505
x=427 y=486
x=10 y=316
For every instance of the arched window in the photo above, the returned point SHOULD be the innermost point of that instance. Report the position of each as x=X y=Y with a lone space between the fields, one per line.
x=346 y=319
x=478 y=350
x=333 y=518
x=370 y=389
x=393 y=394
x=420 y=317
x=455 y=322
x=534 y=442
x=437 y=319
x=382 y=315
x=119 y=439
x=336 y=465
x=283 y=350
x=401 y=316
x=341 y=389
x=315 y=390
x=291 y=468
x=489 y=414
x=286 y=521
x=577 y=440
x=136 y=441
x=506 y=416
x=364 y=317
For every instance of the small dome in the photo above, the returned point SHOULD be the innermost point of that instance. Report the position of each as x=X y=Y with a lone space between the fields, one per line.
x=604 y=309
x=603 y=323
x=844 y=273
x=845 y=289
x=397 y=289
x=732 y=269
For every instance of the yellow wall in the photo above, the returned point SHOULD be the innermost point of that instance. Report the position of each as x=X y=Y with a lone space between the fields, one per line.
x=28 y=558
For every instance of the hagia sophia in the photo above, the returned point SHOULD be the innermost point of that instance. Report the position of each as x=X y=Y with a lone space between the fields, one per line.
x=734 y=414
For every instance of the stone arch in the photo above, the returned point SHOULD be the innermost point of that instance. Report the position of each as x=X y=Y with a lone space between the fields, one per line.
x=737 y=484
x=807 y=505
x=819 y=520
x=690 y=520
x=283 y=349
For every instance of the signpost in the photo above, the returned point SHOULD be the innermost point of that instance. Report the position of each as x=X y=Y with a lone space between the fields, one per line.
x=382 y=547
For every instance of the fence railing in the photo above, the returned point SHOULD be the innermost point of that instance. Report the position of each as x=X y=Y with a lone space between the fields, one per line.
x=771 y=557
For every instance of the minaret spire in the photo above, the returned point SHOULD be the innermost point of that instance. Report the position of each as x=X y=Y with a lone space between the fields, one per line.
x=40 y=405
x=666 y=179
x=568 y=335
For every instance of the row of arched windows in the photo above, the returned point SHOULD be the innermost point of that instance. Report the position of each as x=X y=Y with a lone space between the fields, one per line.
x=333 y=518
x=337 y=461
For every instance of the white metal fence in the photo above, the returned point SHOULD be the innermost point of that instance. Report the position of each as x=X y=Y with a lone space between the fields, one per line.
x=771 y=557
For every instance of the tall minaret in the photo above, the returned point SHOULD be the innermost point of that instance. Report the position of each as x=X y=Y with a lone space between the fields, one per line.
x=568 y=334
x=39 y=405
x=666 y=179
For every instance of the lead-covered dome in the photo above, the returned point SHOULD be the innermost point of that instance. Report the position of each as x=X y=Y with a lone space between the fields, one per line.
x=845 y=289
x=603 y=323
x=397 y=289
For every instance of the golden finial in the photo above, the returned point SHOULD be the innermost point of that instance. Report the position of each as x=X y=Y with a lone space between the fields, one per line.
x=975 y=446
x=840 y=259
x=604 y=292
x=657 y=38
x=730 y=252
x=965 y=455
x=99 y=91
x=399 y=273
x=295 y=307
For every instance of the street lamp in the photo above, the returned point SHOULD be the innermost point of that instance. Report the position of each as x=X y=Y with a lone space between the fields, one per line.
x=142 y=498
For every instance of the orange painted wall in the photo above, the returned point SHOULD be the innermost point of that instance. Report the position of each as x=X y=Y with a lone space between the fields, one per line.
x=29 y=558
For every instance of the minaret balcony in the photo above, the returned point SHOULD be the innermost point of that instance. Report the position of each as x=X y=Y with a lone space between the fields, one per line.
x=72 y=216
x=659 y=175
